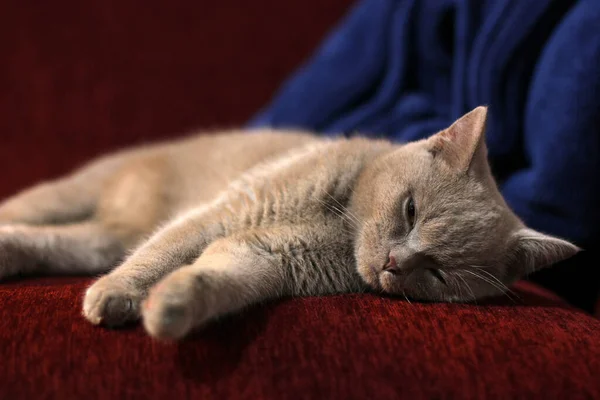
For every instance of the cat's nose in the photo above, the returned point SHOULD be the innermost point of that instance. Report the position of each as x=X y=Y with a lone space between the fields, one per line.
x=398 y=262
x=391 y=265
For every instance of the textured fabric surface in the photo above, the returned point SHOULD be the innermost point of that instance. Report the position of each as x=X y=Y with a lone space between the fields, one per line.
x=346 y=347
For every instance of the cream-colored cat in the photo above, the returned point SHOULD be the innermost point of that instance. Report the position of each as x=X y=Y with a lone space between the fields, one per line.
x=208 y=225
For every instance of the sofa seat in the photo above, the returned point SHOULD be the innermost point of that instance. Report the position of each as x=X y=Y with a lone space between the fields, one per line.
x=342 y=347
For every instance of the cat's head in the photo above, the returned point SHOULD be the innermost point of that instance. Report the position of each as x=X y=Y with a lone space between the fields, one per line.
x=434 y=225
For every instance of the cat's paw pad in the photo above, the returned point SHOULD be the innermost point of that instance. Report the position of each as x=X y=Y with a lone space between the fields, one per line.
x=111 y=303
x=168 y=312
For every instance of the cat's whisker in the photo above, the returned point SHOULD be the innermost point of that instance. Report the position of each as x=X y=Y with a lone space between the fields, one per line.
x=493 y=277
x=480 y=269
x=486 y=280
x=467 y=286
x=502 y=289
x=458 y=287
x=351 y=222
x=331 y=208
x=355 y=224
x=350 y=214
x=340 y=213
x=406 y=297
x=346 y=210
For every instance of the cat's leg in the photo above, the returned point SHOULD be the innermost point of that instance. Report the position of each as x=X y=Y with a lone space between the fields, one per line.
x=72 y=198
x=114 y=299
x=85 y=222
x=61 y=249
x=59 y=201
x=248 y=268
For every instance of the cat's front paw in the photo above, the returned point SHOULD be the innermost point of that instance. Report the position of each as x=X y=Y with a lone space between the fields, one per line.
x=112 y=302
x=173 y=307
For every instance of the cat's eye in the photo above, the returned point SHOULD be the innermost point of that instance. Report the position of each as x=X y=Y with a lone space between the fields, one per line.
x=410 y=211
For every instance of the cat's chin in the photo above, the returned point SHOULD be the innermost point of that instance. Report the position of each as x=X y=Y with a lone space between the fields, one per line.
x=418 y=284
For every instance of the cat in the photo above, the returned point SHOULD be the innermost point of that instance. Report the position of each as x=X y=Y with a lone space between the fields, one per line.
x=209 y=224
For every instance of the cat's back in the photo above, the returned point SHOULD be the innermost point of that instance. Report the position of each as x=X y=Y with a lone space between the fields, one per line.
x=239 y=150
x=203 y=165
x=287 y=170
x=297 y=186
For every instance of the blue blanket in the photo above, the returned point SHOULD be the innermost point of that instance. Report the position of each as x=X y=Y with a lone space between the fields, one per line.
x=405 y=69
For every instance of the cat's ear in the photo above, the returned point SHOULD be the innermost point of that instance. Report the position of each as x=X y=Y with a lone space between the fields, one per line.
x=534 y=250
x=462 y=145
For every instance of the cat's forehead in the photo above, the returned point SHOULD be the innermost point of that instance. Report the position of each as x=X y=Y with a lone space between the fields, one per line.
x=414 y=170
x=415 y=166
x=411 y=160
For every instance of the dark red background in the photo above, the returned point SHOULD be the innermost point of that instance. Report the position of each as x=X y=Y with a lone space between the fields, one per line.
x=80 y=78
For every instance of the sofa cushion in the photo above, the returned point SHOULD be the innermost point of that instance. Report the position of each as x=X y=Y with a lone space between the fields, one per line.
x=349 y=346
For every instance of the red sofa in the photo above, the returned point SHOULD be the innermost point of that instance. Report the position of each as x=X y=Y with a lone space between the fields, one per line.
x=81 y=78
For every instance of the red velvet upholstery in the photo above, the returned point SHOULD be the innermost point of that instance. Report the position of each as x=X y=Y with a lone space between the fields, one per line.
x=78 y=78
x=335 y=348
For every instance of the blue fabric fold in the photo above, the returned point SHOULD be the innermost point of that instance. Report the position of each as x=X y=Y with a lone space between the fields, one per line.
x=405 y=69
